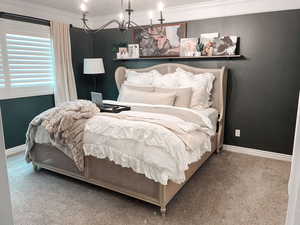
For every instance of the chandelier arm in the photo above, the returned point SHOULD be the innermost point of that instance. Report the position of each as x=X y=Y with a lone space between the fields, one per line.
x=107 y=24
x=88 y=28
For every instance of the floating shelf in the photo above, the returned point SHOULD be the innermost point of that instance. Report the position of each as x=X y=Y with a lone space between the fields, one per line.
x=185 y=57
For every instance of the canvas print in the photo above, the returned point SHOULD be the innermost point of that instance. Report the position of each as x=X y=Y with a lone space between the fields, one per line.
x=225 y=45
x=163 y=41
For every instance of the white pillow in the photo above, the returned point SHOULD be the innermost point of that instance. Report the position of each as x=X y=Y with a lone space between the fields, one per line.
x=202 y=85
x=132 y=87
x=183 y=95
x=169 y=80
x=135 y=96
x=143 y=78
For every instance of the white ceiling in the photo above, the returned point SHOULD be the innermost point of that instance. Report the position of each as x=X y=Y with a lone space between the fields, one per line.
x=106 y=7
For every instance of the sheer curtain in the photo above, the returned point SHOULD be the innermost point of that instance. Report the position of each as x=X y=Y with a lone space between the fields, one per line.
x=293 y=214
x=65 y=88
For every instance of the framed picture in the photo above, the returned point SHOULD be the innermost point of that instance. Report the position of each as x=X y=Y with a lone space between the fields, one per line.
x=133 y=51
x=188 y=47
x=163 y=41
x=208 y=39
x=123 y=53
x=225 y=45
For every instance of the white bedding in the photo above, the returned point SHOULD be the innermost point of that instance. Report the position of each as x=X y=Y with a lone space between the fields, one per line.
x=149 y=148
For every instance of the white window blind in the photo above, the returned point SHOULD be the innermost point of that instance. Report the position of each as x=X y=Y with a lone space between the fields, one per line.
x=26 y=60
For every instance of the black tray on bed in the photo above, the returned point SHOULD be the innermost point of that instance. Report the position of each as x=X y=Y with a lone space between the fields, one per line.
x=111 y=108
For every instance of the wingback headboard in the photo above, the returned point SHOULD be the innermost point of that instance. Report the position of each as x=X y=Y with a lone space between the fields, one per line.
x=218 y=93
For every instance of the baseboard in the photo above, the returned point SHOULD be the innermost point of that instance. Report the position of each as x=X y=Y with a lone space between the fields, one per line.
x=257 y=152
x=15 y=150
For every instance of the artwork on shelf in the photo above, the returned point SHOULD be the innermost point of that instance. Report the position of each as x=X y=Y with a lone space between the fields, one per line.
x=123 y=53
x=164 y=40
x=225 y=45
x=191 y=47
x=219 y=46
x=208 y=40
x=133 y=51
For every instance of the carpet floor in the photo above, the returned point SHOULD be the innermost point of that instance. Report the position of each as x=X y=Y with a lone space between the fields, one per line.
x=229 y=189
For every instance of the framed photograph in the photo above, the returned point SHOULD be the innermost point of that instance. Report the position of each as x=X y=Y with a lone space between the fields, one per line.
x=208 y=39
x=163 y=41
x=123 y=53
x=133 y=51
x=188 y=47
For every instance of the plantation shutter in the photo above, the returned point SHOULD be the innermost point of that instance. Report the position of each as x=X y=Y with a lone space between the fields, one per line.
x=26 y=60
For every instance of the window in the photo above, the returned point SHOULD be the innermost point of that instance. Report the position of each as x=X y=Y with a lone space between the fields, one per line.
x=26 y=62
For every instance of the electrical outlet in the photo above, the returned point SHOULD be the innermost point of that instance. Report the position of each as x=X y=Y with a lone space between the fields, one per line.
x=238 y=133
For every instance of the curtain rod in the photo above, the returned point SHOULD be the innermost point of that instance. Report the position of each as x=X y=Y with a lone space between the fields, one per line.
x=22 y=18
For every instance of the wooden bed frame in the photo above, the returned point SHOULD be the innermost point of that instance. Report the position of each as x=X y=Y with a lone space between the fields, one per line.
x=105 y=173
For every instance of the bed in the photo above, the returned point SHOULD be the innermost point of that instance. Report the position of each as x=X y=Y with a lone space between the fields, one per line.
x=108 y=174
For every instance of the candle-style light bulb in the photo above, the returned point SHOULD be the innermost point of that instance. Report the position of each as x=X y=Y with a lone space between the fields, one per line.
x=121 y=16
x=160 y=6
x=150 y=17
x=83 y=8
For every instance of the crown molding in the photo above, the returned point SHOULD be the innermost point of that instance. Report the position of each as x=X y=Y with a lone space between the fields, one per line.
x=209 y=9
x=43 y=12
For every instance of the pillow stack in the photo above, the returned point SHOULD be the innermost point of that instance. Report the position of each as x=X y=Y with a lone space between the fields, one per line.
x=181 y=88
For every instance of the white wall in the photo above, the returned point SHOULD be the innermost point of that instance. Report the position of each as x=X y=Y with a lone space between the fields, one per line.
x=210 y=9
x=5 y=202
x=293 y=214
x=43 y=12
x=196 y=11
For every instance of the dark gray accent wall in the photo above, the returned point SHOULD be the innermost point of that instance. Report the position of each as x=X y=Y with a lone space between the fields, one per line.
x=263 y=87
x=82 y=47
x=17 y=114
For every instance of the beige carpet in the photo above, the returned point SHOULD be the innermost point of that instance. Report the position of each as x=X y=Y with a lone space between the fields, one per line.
x=230 y=189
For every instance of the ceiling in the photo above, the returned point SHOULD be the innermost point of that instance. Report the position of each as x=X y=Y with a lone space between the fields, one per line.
x=106 y=7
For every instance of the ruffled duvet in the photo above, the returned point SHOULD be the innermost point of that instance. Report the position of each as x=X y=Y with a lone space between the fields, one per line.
x=157 y=141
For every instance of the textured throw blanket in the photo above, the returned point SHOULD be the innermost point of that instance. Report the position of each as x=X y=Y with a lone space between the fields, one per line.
x=65 y=125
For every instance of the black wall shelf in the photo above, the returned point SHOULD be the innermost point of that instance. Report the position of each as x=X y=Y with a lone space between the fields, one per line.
x=180 y=58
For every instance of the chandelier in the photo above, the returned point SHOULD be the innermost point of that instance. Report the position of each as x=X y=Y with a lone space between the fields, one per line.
x=122 y=23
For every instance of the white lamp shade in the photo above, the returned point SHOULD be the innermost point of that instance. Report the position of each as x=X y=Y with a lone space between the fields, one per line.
x=93 y=66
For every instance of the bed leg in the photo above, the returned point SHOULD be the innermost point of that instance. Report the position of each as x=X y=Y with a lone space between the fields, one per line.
x=36 y=168
x=163 y=211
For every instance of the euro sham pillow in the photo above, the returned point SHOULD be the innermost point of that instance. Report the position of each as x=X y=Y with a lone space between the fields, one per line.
x=201 y=84
x=169 y=80
x=183 y=95
x=141 y=78
x=154 y=98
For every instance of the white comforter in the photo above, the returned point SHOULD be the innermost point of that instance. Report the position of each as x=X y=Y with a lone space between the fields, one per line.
x=150 y=148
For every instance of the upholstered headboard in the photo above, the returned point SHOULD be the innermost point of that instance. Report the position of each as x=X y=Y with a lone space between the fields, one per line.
x=219 y=90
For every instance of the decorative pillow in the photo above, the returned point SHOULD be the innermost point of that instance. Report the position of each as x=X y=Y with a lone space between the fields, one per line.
x=183 y=95
x=143 y=78
x=135 y=96
x=169 y=80
x=133 y=87
x=201 y=84
x=202 y=88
